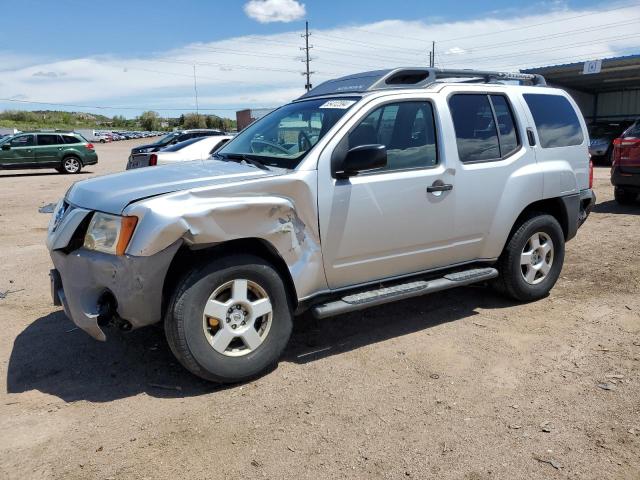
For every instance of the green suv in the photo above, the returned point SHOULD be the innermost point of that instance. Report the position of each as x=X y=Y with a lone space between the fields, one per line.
x=66 y=152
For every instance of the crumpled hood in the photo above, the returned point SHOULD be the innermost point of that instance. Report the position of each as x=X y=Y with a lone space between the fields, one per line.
x=112 y=193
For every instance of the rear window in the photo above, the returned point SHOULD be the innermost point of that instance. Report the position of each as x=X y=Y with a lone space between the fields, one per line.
x=633 y=131
x=556 y=120
x=180 y=145
x=48 y=140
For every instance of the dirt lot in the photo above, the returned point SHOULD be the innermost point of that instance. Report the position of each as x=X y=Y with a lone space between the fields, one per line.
x=463 y=385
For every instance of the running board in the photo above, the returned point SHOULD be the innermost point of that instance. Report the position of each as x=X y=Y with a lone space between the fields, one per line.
x=371 y=298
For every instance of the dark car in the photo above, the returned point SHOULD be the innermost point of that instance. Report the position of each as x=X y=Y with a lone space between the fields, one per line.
x=66 y=152
x=175 y=137
x=601 y=137
x=625 y=166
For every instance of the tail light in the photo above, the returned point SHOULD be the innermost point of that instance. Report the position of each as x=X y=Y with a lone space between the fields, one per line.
x=153 y=160
x=90 y=146
x=590 y=173
x=615 y=155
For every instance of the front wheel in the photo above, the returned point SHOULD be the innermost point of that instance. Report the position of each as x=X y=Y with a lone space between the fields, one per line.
x=531 y=261
x=231 y=320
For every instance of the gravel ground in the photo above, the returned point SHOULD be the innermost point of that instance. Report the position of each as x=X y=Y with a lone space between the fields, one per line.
x=461 y=385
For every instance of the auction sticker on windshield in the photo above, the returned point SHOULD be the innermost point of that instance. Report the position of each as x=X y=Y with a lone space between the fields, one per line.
x=341 y=104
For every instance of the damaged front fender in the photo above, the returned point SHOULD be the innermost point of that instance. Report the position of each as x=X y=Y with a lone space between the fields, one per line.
x=286 y=218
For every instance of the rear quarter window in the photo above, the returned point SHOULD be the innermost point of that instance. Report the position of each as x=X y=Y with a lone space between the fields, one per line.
x=68 y=139
x=556 y=120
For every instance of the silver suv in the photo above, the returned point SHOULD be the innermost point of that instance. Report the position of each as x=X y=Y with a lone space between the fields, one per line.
x=368 y=189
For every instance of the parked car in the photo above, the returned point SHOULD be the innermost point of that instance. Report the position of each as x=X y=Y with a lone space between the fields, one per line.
x=368 y=189
x=601 y=136
x=173 y=138
x=66 y=152
x=625 y=167
x=198 y=148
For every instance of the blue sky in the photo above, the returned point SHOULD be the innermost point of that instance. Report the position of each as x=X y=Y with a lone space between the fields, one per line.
x=64 y=29
x=139 y=55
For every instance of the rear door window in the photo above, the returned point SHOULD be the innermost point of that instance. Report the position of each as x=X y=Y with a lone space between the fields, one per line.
x=476 y=133
x=556 y=120
x=44 y=140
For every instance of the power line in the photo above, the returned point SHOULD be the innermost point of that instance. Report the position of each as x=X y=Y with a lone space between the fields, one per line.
x=538 y=24
x=551 y=49
x=546 y=37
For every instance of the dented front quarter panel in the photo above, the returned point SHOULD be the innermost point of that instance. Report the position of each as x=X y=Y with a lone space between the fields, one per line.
x=280 y=210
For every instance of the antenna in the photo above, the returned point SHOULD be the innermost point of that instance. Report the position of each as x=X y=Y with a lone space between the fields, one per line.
x=307 y=59
x=195 y=89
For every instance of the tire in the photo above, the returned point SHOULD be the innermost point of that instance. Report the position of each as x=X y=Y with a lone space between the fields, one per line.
x=192 y=335
x=70 y=165
x=102 y=140
x=528 y=273
x=624 y=197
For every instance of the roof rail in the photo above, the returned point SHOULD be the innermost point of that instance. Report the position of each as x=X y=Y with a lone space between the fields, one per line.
x=416 y=77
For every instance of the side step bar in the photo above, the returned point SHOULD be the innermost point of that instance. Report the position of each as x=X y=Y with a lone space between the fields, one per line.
x=371 y=298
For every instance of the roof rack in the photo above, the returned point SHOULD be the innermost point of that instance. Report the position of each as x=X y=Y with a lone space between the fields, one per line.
x=416 y=77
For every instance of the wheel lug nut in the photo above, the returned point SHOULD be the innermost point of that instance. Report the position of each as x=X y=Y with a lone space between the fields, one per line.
x=234 y=326
x=244 y=323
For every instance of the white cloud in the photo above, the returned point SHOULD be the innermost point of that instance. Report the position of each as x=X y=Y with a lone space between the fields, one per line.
x=456 y=51
x=264 y=71
x=267 y=11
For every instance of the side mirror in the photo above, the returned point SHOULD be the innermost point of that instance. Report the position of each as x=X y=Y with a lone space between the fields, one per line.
x=359 y=159
x=6 y=146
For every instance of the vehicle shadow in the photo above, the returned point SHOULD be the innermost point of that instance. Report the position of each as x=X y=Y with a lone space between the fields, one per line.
x=42 y=174
x=611 y=206
x=316 y=339
x=53 y=357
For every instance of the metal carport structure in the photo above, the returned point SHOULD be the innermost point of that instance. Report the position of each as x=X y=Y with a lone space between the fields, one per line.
x=611 y=93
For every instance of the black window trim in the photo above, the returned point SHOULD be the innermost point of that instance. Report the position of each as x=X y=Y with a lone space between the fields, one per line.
x=435 y=137
x=516 y=126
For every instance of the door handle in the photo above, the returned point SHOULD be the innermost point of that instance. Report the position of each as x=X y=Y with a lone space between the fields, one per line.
x=531 y=137
x=439 y=187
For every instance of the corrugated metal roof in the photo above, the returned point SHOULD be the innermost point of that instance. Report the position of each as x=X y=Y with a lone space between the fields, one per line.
x=617 y=73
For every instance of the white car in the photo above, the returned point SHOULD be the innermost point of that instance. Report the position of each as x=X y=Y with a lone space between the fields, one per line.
x=199 y=148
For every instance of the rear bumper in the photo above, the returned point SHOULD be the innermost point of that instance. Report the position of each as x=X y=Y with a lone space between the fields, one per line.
x=578 y=207
x=84 y=282
x=629 y=181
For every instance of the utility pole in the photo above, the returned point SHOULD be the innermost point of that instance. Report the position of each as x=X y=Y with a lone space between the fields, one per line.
x=307 y=59
x=195 y=89
x=432 y=57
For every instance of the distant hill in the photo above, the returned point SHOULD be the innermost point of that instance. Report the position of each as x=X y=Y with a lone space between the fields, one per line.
x=52 y=119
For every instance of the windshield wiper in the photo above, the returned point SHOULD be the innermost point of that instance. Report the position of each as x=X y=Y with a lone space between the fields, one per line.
x=243 y=157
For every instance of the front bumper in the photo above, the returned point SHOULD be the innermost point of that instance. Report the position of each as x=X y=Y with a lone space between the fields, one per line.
x=82 y=279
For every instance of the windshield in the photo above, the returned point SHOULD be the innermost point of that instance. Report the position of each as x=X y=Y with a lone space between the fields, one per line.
x=282 y=138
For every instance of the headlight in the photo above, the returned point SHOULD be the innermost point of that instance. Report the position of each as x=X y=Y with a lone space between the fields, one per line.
x=109 y=233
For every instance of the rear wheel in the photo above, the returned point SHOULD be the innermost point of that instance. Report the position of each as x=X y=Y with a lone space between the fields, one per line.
x=70 y=165
x=531 y=261
x=624 y=197
x=229 y=321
